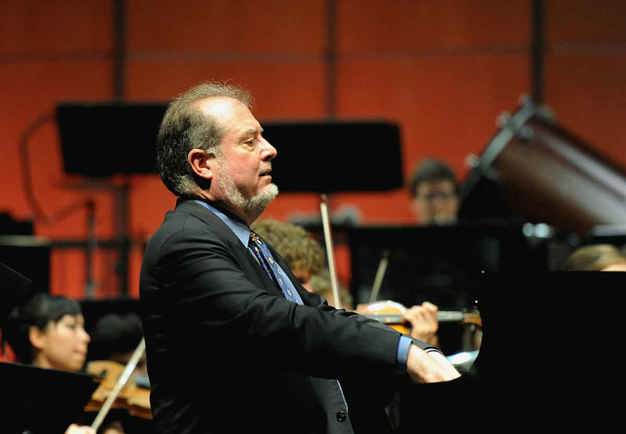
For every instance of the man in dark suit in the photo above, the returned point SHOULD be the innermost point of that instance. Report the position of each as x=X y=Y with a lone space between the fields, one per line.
x=234 y=343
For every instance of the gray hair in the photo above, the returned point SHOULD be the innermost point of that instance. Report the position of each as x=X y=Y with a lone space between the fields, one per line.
x=185 y=128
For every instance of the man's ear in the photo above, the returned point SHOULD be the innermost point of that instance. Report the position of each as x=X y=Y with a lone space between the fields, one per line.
x=37 y=337
x=201 y=163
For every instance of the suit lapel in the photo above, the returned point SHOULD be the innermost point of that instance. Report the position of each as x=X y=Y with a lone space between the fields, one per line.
x=251 y=268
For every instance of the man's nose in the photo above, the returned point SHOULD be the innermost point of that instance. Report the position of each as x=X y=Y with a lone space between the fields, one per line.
x=270 y=150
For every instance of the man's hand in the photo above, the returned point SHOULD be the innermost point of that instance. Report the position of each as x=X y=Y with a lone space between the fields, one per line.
x=431 y=367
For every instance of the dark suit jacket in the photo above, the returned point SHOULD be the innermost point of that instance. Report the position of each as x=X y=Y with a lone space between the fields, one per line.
x=227 y=353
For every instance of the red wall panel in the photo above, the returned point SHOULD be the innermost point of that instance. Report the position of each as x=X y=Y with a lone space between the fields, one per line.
x=587 y=93
x=39 y=29
x=585 y=71
x=381 y=28
x=228 y=27
x=280 y=89
x=585 y=23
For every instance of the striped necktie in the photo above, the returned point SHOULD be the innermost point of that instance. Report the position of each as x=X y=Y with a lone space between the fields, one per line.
x=264 y=257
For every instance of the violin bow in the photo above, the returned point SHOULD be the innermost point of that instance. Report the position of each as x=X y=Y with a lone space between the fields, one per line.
x=121 y=382
x=329 y=250
x=380 y=273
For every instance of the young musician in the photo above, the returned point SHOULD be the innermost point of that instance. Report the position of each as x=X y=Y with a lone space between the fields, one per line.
x=48 y=332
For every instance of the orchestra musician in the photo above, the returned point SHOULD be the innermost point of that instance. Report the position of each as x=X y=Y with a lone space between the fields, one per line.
x=434 y=192
x=48 y=332
x=233 y=341
x=114 y=339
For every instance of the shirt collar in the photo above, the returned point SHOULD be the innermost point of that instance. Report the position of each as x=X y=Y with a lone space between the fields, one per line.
x=239 y=228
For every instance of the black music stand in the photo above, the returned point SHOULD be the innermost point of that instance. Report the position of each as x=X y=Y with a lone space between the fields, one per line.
x=43 y=400
x=28 y=255
x=336 y=156
x=15 y=289
x=122 y=135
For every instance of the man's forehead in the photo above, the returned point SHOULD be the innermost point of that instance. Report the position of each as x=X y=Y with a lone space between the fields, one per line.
x=228 y=110
x=217 y=105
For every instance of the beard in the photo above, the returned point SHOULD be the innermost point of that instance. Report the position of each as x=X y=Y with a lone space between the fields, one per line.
x=251 y=206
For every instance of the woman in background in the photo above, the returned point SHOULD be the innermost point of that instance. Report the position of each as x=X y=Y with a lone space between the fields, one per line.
x=49 y=332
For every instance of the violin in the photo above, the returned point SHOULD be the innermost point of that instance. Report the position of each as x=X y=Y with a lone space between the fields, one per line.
x=391 y=313
x=115 y=390
x=133 y=397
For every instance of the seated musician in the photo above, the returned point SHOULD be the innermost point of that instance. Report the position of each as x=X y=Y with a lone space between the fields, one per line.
x=48 y=332
x=115 y=338
x=434 y=191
